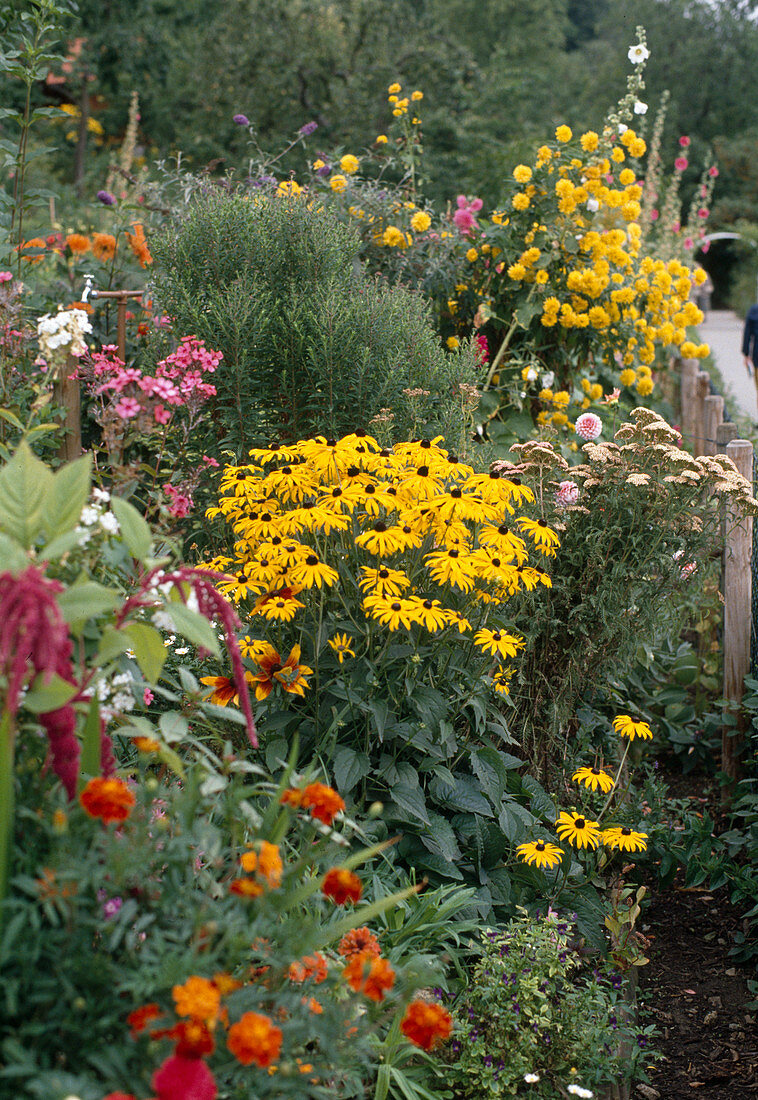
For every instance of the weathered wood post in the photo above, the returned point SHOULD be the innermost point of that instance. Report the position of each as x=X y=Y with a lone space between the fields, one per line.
x=714 y=414
x=66 y=393
x=702 y=390
x=737 y=608
x=725 y=433
x=687 y=399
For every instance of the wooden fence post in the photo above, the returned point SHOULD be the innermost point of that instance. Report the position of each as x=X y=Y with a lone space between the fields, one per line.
x=66 y=393
x=737 y=607
x=687 y=399
x=702 y=390
x=725 y=433
x=714 y=414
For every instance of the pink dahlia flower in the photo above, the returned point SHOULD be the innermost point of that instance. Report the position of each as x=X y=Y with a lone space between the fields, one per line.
x=589 y=426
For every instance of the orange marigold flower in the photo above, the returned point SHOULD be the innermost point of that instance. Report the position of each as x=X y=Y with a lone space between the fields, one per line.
x=314 y=1006
x=426 y=1024
x=359 y=941
x=103 y=246
x=370 y=976
x=138 y=244
x=225 y=983
x=198 y=998
x=254 y=1039
x=245 y=888
x=108 y=799
x=323 y=802
x=34 y=242
x=341 y=886
x=141 y=1017
x=310 y=966
x=78 y=243
x=85 y=307
x=292 y=797
x=266 y=861
x=146 y=744
x=192 y=1037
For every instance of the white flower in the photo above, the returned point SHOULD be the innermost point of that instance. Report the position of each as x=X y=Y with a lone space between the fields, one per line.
x=102 y=496
x=83 y=535
x=109 y=523
x=180 y=652
x=122 y=679
x=123 y=700
x=163 y=621
x=547 y=379
x=103 y=689
x=592 y=204
x=577 y=1090
x=640 y=108
x=531 y=1078
x=531 y=374
x=89 y=516
x=622 y=127
x=192 y=601
x=637 y=54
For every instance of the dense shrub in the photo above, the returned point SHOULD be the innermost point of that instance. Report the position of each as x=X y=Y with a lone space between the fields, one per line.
x=310 y=343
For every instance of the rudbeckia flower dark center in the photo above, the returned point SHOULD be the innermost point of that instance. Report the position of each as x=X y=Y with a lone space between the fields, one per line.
x=425 y=444
x=496 y=636
x=353 y=471
x=496 y=562
x=242 y=578
x=423 y=471
x=286 y=469
x=428 y=604
x=395 y=606
x=502 y=529
x=337 y=492
x=452 y=553
x=456 y=493
x=311 y=560
x=266 y=517
x=579 y=823
x=241 y=476
x=370 y=489
x=540 y=845
x=331 y=442
x=494 y=475
x=379 y=526
x=625 y=830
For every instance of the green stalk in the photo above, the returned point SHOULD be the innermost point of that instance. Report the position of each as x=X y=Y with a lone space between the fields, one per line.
x=7 y=798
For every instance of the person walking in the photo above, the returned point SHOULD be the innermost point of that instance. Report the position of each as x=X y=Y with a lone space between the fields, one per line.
x=750 y=341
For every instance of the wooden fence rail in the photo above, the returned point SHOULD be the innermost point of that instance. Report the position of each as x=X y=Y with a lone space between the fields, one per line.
x=706 y=431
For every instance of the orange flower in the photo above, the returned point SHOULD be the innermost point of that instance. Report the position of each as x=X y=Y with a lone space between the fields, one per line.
x=245 y=888
x=314 y=1006
x=310 y=966
x=103 y=246
x=254 y=1039
x=78 y=243
x=292 y=797
x=138 y=244
x=225 y=983
x=291 y=676
x=109 y=799
x=359 y=941
x=145 y=744
x=370 y=976
x=192 y=1037
x=426 y=1024
x=266 y=862
x=85 y=307
x=141 y=1017
x=35 y=242
x=323 y=802
x=341 y=886
x=224 y=690
x=198 y=998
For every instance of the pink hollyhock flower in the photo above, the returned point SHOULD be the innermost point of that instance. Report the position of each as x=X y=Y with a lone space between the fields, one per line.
x=705 y=247
x=684 y=141
x=464 y=216
x=127 y=408
x=568 y=493
x=483 y=351
x=654 y=215
x=713 y=172
x=681 y=163
x=689 y=243
x=184 y=1079
x=5 y=276
x=588 y=425
x=702 y=212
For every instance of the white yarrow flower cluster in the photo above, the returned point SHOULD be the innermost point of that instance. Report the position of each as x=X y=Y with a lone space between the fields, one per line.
x=95 y=515
x=63 y=333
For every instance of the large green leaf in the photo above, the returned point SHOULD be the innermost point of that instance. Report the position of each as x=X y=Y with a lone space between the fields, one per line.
x=349 y=767
x=194 y=627
x=134 y=528
x=85 y=600
x=68 y=495
x=149 y=649
x=24 y=487
x=411 y=799
x=441 y=838
x=44 y=697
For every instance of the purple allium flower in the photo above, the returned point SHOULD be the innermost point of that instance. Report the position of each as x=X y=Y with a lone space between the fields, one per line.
x=106 y=198
x=241 y=120
x=309 y=128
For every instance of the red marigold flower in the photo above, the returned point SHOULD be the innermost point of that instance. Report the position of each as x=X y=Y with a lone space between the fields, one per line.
x=310 y=966
x=108 y=799
x=254 y=1039
x=141 y=1017
x=370 y=976
x=120 y=1096
x=323 y=802
x=193 y=1039
x=426 y=1024
x=341 y=886
x=184 y=1079
x=359 y=941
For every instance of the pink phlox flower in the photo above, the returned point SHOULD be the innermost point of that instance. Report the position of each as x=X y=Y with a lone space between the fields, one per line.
x=654 y=215
x=181 y=503
x=463 y=217
x=127 y=408
x=713 y=171
x=147 y=697
x=689 y=243
x=5 y=276
x=702 y=212
x=162 y=414
x=210 y=462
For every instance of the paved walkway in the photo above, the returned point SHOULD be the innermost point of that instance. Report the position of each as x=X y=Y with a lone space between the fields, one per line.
x=723 y=331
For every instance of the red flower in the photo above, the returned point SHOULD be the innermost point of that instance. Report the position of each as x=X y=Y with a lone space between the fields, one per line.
x=426 y=1024
x=341 y=886
x=323 y=802
x=141 y=1017
x=120 y=1096
x=108 y=799
x=359 y=941
x=184 y=1079
x=370 y=976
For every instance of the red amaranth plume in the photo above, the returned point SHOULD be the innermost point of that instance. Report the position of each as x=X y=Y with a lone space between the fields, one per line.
x=34 y=640
x=214 y=607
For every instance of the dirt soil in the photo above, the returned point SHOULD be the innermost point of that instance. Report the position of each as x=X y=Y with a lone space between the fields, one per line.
x=697 y=995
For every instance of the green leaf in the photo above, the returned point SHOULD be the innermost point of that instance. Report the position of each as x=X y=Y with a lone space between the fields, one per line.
x=541 y=802
x=172 y=759
x=349 y=767
x=380 y=713
x=411 y=799
x=90 y=761
x=112 y=644
x=85 y=600
x=68 y=495
x=60 y=546
x=136 y=532
x=44 y=697
x=441 y=839
x=12 y=419
x=173 y=726
x=13 y=558
x=24 y=486
x=149 y=650
x=194 y=627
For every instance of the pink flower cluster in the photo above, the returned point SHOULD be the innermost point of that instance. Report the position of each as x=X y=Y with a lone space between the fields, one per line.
x=181 y=503
x=179 y=380
x=464 y=217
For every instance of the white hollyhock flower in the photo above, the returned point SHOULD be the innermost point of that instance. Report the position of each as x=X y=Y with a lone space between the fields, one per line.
x=637 y=54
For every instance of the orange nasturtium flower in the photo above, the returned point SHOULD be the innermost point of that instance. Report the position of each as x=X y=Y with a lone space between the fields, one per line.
x=341 y=886
x=290 y=674
x=254 y=1039
x=108 y=799
x=198 y=998
x=370 y=976
x=426 y=1024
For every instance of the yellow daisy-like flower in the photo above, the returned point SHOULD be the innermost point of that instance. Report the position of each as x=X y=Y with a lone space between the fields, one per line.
x=341 y=643
x=314 y=571
x=621 y=836
x=501 y=681
x=349 y=164
x=338 y=183
x=498 y=643
x=384 y=581
x=563 y=133
x=594 y=778
x=428 y=613
x=626 y=726
x=381 y=540
x=578 y=830
x=540 y=853
x=281 y=608
x=252 y=647
x=545 y=539
x=391 y=612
